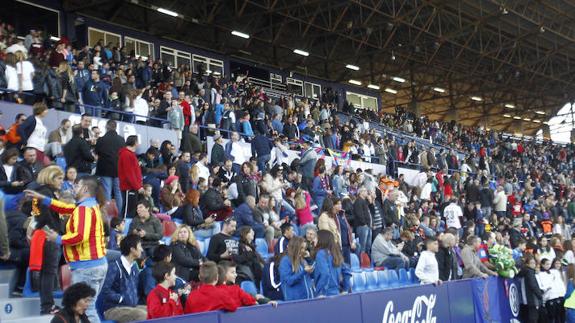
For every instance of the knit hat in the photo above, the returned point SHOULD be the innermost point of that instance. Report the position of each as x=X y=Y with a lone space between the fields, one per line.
x=170 y=179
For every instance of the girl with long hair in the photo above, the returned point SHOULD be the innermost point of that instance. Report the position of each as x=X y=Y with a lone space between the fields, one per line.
x=330 y=276
x=295 y=272
x=328 y=218
x=185 y=254
x=248 y=260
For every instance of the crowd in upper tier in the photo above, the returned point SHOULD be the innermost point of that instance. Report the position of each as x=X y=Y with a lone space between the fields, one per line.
x=107 y=204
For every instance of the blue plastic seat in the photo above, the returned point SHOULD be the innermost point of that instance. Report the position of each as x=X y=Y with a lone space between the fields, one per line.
x=127 y=222
x=262 y=248
x=354 y=261
x=202 y=247
x=359 y=282
x=249 y=287
x=403 y=278
x=412 y=277
x=28 y=292
x=206 y=246
x=382 y=279
x=371 y=280
x=392 y=278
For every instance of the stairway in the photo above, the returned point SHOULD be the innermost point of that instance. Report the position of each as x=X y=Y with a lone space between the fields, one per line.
x=18 y=309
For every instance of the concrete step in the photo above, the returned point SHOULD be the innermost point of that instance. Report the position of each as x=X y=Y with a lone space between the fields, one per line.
x=20 y=307
x=31 y=319
x=5 y=290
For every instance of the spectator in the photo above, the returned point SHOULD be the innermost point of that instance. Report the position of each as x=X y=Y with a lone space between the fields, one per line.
x=321 y=187
x=271 y=283
x=245 y=183
x=78 y=154
x=162 y=301
x=427 y=269
x=192 y=216
x=328 y=218
x=119 y=297
x=552 y=284
x=58 y=138
x=33 y=131
x=307 y=162
x=218 y=156
x=48 y=252
x=85 y=253
x=208 y=297
x=385 y=254
x=171 y=196
x=13 y=177
x=212 y=202
x=130 y=177
x=500 y=202
x=453 y=215
x=295 y=273
x=185 y=254
x=249 y=262
x=363 y=220
x=227 y=277
x=223 y=245
x=446 y=258
x=31 y=163
x=282 y=243
x=147 y=227
x=245 y=217
x=190 y=141
x=473 y=267
x=76 y=300
x=4 y=241
x=95 y=95
x=569 y=296
x=262 y=149
x=107 y=149
x=533 y=295
x=117 y=226
x=147 y=282
x=331 y=276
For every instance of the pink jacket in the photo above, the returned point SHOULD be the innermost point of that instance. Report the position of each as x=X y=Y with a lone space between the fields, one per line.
x=304 y=215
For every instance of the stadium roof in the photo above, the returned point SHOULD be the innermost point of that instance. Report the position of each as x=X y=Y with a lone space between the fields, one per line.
x=495 y=61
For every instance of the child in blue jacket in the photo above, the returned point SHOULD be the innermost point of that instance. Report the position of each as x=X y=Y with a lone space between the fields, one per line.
x=295 y=273
x=331 y=276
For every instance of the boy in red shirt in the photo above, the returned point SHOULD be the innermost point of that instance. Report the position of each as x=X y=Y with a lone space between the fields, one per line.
x=162 y=302
x=209 y=297
x=227 y=278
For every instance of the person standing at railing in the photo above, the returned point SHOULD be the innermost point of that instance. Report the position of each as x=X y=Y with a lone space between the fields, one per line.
x=95 y=95
x=307 y=162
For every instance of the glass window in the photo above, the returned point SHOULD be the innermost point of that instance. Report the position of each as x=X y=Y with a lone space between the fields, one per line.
x=209 y=65
x=139 y=48
x=174 y=57
x=96 y=35
x=362 y=101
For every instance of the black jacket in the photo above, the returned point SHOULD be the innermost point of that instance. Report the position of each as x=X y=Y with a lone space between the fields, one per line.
x=192 y=216
x=18 y=174
x=77 y=153
x=67 y=316
x=390 y=215
x=107 y=148
x=218 y=155
x=187 y=258
x=211 y=201
x=361 y=213
x=446 y=263
x=532 y=292
x=246 y=186
x=486 y=198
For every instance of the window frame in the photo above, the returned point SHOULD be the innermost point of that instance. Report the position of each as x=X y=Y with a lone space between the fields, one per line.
x=362 y=98
x=120 y=40
x=208 y=61
x=137 y=49
x=176 y=53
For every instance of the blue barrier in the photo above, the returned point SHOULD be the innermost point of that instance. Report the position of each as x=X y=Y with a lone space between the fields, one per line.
x=457 y=301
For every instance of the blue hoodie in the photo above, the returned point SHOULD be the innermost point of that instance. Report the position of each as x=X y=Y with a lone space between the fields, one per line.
x=120 y=288
x=327 y=277
x=295 y=285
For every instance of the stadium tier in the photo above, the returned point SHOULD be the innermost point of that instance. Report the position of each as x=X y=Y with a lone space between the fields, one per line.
x=160 y=163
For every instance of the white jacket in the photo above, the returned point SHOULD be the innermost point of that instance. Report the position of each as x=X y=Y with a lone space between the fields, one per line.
x=552 y=284
x=427 y=269
x=500 y=202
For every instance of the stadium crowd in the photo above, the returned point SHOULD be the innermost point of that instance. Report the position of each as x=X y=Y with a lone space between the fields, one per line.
x=475 y=192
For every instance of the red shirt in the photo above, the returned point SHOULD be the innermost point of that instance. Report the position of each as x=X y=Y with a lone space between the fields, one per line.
x=238 y=295
x=210 y=298
x=129 y=172
x=187 y=110
x=161 y=305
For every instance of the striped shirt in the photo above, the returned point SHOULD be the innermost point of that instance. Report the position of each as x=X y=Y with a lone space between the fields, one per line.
x=84 y=241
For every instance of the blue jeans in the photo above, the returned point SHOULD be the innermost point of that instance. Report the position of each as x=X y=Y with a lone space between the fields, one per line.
x=364 y=234
x=93 y=111
x=263 y=162
x=394 y=262
x=94 y=277
x=112 y=185
x=203 y=234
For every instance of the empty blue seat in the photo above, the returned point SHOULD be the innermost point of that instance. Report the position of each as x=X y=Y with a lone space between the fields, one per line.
x=403 y=278
x=201 y=243
x=249 y=287
x=262 y=248
x=359 y=283
x=127 y=222
x=166 y=240
x=412 y=277
x=371 y=280
x=354 y=261
x=382 y=279
x=206 y=246
x=392 y=278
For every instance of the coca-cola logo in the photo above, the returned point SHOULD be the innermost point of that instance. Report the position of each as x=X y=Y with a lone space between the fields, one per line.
x=420 y=312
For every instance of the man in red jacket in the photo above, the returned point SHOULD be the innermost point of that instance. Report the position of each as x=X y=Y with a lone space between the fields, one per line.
x=130 y=176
